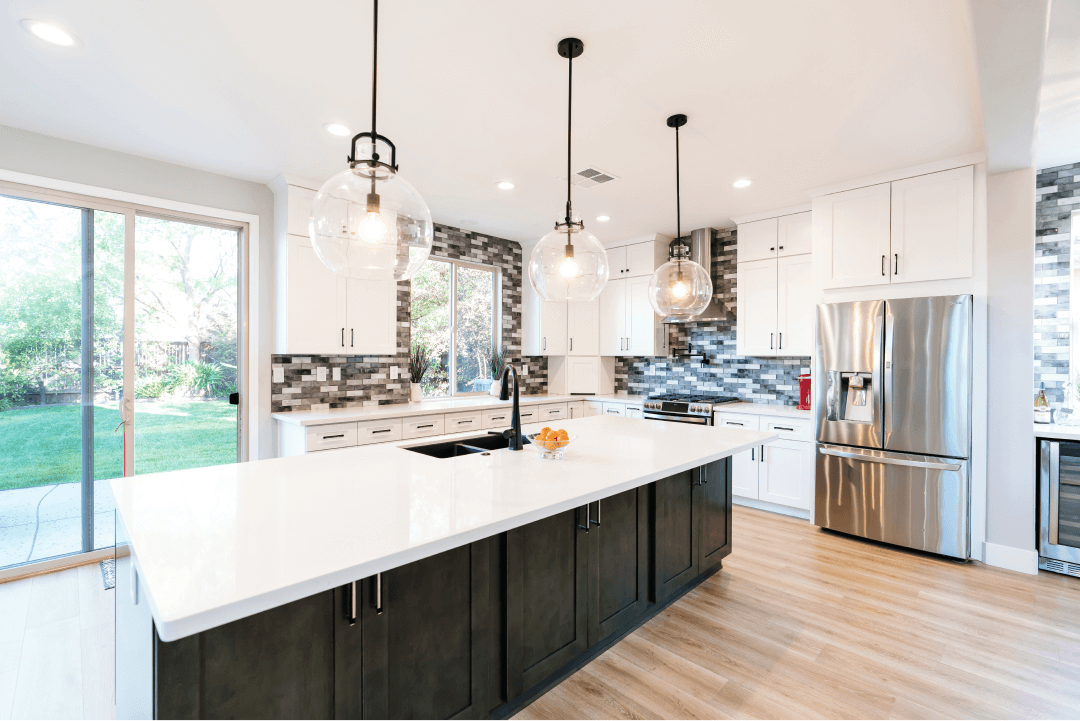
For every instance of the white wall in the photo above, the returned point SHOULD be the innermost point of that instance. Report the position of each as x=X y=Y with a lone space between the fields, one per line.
x=1010 y=503
x=35 y=154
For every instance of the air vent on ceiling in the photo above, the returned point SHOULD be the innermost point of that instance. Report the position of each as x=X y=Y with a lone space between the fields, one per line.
x=589 y=177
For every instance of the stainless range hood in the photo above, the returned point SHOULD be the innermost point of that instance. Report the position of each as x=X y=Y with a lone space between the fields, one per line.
x=701 y=253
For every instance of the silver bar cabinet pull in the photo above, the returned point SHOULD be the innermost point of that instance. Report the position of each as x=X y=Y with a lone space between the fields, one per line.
x=597 y=521
x=588 y=518
x=352 y=605
x=378 y=594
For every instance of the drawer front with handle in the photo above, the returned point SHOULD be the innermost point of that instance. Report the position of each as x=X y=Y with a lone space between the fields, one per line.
x=530 y=414
x=795 y=429
x=742 y=421
x=421 y=426
x=459 y=422
x=378 y=431
x=552 y=412
x=614 y=409
x=337 y=435
x=500 y=418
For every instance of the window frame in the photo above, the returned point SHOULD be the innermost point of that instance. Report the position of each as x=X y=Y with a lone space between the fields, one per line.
x=496 y=319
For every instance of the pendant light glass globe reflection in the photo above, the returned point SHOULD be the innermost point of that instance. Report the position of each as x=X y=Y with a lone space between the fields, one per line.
x=369 y=222
x=680 y=288
x=568 y=271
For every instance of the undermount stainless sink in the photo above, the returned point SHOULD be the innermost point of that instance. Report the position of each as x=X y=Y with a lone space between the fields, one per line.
x=463 y=446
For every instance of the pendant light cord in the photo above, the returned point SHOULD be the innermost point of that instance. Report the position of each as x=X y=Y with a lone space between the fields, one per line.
x=374 y=69
x=678 y=201
x=569 y=117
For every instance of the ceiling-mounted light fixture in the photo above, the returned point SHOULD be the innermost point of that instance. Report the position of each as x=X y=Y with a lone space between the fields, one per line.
x=569 y=263
x=741 y=183
x=603 y=218
x=504 y=185
x=339 y=129
x=50 y=32
x=679 y=287
x=367 y=221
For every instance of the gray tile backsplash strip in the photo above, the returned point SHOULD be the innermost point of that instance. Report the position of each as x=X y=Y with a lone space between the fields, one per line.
x=1057 y=195
x=761 y=380
x=365 y=380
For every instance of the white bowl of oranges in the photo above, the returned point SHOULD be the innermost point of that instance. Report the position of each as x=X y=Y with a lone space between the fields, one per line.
x=550 y=442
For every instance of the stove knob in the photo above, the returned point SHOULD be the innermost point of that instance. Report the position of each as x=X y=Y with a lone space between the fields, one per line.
x=693 y=409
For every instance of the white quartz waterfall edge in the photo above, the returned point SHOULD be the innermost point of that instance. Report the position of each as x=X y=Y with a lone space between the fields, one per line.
x=213 y=545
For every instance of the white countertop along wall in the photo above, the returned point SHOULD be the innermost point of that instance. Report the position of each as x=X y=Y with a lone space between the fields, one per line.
x=1053 y=430
x=761 y=409
x=436 y=405
x=213 y=545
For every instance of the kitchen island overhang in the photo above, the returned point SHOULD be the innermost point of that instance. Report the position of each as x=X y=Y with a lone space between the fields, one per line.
x=213 y=545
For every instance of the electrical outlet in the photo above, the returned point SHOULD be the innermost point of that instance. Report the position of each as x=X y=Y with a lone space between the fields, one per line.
x=337 y=374
x=320 y=374
x=393 y=373
x=524 y=369
x=279 y=375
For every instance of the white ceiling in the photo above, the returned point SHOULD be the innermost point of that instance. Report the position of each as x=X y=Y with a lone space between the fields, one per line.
x=791 y=94
x=1059 y=104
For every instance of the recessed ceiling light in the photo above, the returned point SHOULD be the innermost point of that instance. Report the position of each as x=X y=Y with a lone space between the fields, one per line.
x=603 y=218
x=50 y=32
x=741 y=183
x=504 y=185
x=339 y=129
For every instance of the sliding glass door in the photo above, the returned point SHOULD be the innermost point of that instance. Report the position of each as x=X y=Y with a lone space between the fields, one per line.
x=119 y=354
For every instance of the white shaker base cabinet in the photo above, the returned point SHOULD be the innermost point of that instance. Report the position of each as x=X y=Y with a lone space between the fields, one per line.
x=779 y=473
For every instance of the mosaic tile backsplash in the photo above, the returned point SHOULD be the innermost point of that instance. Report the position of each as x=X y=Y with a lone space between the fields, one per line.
x=1057 y=196
x=762 y=380
x=346 y=381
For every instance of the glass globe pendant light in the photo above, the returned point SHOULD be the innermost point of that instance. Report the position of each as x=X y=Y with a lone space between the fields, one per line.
x=680 y=287
x=368 y=222
x=569 y=263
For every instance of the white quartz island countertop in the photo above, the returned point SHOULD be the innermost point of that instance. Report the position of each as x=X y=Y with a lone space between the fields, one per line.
x=213 y=545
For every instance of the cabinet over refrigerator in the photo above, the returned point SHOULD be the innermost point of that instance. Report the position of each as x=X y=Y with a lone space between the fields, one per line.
x=894 y=421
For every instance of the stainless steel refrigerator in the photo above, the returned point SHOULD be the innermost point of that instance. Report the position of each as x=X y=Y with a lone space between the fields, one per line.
x=893 y=396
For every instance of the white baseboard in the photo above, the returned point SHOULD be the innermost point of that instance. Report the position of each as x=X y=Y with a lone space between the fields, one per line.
x=1014 y=559
x=771 y=507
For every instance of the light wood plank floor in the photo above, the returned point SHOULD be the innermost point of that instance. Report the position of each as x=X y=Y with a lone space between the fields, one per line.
x=56 y=646
x=803 y=623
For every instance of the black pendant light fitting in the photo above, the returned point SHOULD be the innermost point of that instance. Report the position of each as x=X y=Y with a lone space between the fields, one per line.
x=374 y=161
x=680 y=251
x=569 y=48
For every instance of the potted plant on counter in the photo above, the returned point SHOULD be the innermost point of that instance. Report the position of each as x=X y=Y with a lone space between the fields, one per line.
x=495 y=364
x=419 y=362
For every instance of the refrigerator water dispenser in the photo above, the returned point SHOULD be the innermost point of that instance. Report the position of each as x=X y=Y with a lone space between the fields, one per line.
x=849 y=397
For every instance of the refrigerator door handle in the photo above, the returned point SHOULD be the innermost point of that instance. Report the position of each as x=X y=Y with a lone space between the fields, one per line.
x=877 y=392
x=1055 y=488
x=886 y=410
x=890 y=461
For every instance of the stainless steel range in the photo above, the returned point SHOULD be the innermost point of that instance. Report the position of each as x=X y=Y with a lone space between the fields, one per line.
x=684 y=407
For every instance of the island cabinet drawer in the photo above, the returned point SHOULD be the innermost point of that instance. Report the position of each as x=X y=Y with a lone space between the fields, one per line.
x=500 y=418
x=378 y=431
x=552 y=412
x=795 y=429
x=337 y=435
x=420 y=426
x=467 y=421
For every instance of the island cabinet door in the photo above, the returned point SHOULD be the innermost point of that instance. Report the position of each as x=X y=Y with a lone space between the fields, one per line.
x=430 y=637
x=676 y=498
x=714 y=517
x=618 y=562
x=277 y=664
x=546 y=594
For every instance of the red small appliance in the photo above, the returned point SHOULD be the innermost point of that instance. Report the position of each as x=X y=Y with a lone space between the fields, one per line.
x=804 y=392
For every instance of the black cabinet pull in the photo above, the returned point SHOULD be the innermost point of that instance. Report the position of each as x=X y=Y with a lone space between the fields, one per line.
x=378 y=594
x=352 y=337
x=429 y=425
x=781 y=340
x=339 y=435
x=732 y=423
x=752 y=455
x=781 y=428
x=771 y=340
x=571 y=344
x=763 y=454
x=350 y=614
x=381 y=430
x=588 y=519
x=896 y=269
x=342 y=337
x=883 y=265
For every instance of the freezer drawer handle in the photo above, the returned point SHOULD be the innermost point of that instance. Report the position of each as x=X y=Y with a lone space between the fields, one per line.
x=891 y=461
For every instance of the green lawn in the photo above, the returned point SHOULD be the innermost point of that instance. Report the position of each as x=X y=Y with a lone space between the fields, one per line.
x=42 y=445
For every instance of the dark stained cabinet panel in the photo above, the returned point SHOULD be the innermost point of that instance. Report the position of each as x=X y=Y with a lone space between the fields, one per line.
x=715 y=514
x=675 y=533
x=428 y=654
x=618 y=562
x=275 y=664
x=546 y=611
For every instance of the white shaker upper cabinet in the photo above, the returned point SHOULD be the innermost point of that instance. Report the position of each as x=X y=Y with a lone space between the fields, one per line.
x=794 y=306
x=933 y=226
x=316 y=314
x=617 y=262
x=640 y=259
x=794 y=234
x=853 y=232
x=645 y=333
x=552 y=327
x=371 y=317
x=757 y=240
x=756 y=335
x=613 y=315
x=583 y=328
